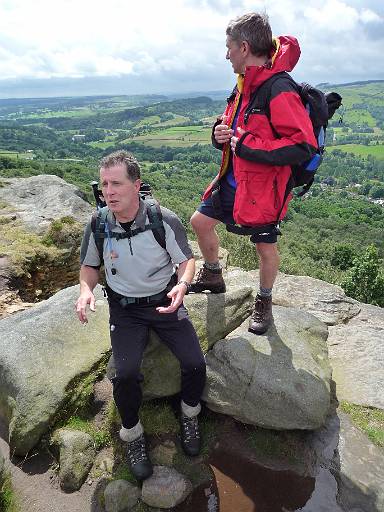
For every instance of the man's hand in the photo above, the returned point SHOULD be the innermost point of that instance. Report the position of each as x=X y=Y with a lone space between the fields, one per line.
x=81 y=305
x=176 y=295
x=223 y=132
x=234 y=140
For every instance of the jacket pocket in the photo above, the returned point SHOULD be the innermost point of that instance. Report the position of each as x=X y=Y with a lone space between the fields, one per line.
x=257 y=199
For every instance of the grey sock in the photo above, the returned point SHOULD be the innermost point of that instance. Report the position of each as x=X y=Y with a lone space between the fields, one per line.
x=212 y=266
x=130 y=434
x=265 y=292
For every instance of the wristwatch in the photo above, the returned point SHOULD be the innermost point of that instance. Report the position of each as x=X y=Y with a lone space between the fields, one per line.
x=188 y=285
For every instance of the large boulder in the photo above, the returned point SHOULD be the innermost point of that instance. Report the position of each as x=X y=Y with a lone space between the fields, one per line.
x=42 y=221
x=280 y=380
x=357 y=357
x=39 y=200
x=48 y=362
x=213 y=316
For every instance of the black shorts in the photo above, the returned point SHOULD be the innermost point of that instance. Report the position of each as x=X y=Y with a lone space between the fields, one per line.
x=227 y=199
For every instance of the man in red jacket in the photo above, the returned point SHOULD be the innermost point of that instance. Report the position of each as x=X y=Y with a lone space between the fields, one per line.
x=258 y=151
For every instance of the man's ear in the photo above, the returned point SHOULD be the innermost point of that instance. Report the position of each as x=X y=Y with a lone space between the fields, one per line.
x=137 y=185
x=245 y=48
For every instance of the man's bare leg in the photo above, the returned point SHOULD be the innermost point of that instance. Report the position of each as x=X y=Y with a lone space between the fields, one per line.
x=210 y=276
x=207 y=238
x=269 y=261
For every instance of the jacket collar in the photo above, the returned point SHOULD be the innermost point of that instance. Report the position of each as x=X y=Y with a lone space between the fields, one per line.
x=285 y=55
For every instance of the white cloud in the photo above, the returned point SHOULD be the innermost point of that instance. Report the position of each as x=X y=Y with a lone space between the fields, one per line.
x=68 y=38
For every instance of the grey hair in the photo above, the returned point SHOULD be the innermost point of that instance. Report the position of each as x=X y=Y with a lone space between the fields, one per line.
x=125 y=158
x=253 y=28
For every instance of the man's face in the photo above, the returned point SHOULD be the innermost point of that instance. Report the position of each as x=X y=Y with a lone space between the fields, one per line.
x=120 y=193
x=235 y=55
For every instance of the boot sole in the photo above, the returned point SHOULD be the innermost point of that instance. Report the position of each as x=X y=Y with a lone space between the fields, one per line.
x=253 y=331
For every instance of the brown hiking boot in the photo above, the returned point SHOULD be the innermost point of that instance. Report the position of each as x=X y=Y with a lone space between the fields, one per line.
x=211 y=280
x=262 y=315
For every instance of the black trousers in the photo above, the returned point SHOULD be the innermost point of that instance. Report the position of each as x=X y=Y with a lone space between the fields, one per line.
x=129 y=328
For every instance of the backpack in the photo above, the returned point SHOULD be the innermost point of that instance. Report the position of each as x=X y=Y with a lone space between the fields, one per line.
x=100 y=227
x=320 y=107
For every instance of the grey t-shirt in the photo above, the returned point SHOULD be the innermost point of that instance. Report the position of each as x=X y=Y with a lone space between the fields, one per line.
x=148 y=270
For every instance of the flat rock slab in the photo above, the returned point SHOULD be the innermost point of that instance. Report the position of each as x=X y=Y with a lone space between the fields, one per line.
x=356 y=353
x=47 y=361
x=361 y=473
x=39 y=200
x=325 y=301
x=280 y=380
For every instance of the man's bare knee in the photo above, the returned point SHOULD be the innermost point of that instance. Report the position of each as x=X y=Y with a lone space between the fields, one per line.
x=202 y=224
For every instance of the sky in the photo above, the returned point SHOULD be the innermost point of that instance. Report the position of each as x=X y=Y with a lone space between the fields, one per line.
x=66 y=47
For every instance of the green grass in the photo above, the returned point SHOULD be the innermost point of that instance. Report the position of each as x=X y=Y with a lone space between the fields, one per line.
x=101 y=436
x=158 y=418
x=376 y=151
x=8 y=502
x=367 y=419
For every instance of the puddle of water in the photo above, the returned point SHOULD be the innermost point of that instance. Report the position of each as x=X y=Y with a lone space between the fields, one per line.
x=243 y=486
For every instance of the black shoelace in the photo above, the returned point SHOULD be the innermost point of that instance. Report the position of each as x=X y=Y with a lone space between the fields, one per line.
x=190 y=428
x=136 y=450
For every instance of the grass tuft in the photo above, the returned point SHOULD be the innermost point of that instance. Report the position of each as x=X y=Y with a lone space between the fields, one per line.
x=158 y=418
x=367 y=419
x=8 y=501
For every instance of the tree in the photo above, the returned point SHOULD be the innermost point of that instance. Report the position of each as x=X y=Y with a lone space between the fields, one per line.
x=365 y=280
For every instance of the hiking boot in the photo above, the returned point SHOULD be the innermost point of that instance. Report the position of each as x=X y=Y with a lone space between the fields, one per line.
x=190 y=435
x=211 y=280
x=138 y=460
x=261 y=317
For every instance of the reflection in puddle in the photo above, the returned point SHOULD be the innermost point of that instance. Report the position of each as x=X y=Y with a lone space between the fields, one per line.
x=243 y=486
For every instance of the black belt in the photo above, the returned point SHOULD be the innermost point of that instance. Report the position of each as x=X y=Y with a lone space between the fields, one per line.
x=126 y=301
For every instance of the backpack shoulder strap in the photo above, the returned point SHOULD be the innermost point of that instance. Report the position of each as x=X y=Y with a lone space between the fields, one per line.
x=264 y=92
x=98 y=223
x=155 y=218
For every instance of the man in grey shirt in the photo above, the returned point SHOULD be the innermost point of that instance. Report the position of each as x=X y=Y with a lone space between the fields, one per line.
x=142 y=293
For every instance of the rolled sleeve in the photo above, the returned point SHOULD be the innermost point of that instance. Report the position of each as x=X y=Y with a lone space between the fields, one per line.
x=89 y=254
x=176 y=238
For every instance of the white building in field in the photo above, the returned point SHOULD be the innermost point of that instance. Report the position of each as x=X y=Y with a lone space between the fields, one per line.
x=78 y=138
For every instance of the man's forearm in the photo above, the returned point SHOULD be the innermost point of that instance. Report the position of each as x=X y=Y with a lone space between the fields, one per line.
x=186 y=270
x=89 y=277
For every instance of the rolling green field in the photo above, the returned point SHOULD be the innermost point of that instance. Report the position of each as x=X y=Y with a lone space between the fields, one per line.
x=15 y=154
x=176 y=136
x=358 y=149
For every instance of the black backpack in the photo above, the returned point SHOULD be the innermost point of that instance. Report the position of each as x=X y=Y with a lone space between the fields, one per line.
x=320 y=107
x=100 y=227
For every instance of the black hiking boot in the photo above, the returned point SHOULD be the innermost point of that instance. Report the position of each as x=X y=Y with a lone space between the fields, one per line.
x=211 y=280
x=261 y=317
x=190 y=435
x=138 y=460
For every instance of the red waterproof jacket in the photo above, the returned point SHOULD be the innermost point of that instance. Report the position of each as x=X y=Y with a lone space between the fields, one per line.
x=263 y=155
